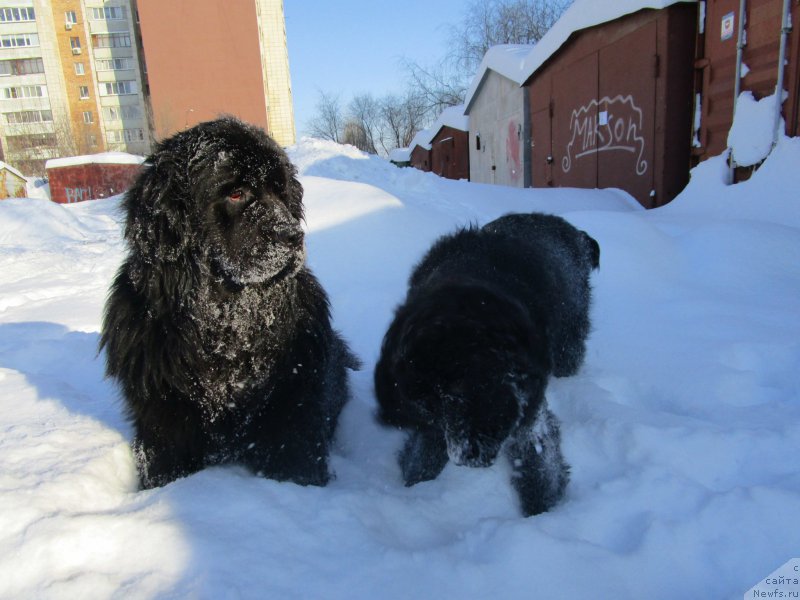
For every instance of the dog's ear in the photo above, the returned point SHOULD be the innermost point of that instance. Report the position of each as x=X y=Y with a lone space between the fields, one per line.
x=594 y=250
x=294 y=189
x=158 y=214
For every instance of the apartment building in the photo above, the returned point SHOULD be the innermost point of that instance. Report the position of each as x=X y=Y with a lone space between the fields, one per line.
x=224 y=58
x=70 y=81
x=89 y=76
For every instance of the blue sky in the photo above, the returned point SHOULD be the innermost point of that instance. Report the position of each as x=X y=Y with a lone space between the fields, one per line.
x=355 y=46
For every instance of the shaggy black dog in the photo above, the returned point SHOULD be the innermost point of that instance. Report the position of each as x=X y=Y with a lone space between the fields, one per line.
x=218 y=335
x=490 y=314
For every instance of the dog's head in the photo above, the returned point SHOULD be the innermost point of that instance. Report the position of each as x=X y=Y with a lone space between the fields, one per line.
x=224 y=195
x=474 y=365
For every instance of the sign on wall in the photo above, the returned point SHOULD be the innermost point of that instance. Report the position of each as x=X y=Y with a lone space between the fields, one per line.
x=726 y=29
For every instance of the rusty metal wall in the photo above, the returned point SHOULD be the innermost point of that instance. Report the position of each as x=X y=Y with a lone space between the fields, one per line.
x=716 y=65
x=421 y=158
x=613 y=108
x=450 y=153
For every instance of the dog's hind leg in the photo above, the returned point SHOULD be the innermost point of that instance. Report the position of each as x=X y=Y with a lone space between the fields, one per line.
x=423 y=457
x=540 y=474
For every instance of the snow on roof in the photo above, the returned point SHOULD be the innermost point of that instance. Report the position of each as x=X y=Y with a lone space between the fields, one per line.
x=12 y=170
x=451 y=117
x=519 y=62
x=505 y=59
x=422 y=139
x=400 y=155
x=582 y=15
x=106 y=158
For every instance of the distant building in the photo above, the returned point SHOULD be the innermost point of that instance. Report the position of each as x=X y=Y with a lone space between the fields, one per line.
x=208 y=57
x=420 y=146
x=70 y=81
x=499 y=128
x=400 y=157
x=74 y=81
x=91 y=177
x=12 y=183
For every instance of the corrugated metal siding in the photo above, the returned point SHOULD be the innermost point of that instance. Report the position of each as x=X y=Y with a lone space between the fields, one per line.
x=613 y=108
x=497 y=120
x=90 y=181
x=450 y=153
x=717 y=64
x=421 y=158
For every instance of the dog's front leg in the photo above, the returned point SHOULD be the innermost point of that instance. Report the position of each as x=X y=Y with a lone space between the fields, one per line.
x=540 y=473
x=423 y=457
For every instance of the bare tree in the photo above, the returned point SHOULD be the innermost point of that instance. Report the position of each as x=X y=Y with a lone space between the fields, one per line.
x=487 y=23
x=380 y=125
x=364 y=114
x=438 y=86
x=328 y=124
x=403 y=117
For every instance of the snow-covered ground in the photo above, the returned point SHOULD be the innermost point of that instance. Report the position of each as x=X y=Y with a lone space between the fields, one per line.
x=682 y=428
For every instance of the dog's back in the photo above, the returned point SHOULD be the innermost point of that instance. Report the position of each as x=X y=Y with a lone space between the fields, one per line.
x=541 y=260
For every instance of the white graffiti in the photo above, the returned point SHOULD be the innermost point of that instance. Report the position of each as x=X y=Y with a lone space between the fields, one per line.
x=78 y=194
x=616 y=126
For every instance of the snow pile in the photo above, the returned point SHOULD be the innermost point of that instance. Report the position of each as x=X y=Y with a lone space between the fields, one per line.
x=751 y=134
x=682 y=428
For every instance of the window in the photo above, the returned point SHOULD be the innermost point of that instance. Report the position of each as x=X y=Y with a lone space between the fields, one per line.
x=114 y=64
x=79 y=69
x=70 y=18
x=83 y=92
x=117 y=88
x=21 y=66
x=111 y=40
x=75 y=44
x=19 y=40
x=8 y=15
x=25 y=91
x=118 y=136
x=29 y=116
x=109 y=13
x=18 y=143
x=117 y=113
x=88 y=117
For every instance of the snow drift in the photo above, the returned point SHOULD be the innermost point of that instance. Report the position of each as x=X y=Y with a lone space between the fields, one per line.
x=682 y=429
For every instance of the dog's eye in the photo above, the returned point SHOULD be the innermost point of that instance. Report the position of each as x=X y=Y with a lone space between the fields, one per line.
x=236 y=196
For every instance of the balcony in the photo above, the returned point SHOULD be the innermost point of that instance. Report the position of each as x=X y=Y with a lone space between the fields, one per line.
x=117 y=26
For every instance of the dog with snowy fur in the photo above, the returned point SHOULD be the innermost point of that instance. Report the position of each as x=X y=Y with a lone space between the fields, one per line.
x=491 y=313
x=218 y=335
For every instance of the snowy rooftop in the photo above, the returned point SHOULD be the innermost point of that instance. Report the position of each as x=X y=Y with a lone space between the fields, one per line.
x=451 y=117
x=581 y=15
x=400 y=155
x=423 y=139
x=507 y=60
x=519 y=62
x=11 y=169
x=106 y=158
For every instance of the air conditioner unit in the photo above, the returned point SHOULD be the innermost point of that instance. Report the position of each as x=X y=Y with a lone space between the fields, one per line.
x=76 y=50
x=69 y=26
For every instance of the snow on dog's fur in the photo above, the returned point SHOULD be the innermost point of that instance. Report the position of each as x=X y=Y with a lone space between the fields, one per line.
x=218 y=335
x=490 y=314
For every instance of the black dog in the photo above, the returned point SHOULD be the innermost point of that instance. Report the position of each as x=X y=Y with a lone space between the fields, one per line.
x=490 y=314
x=217 y=333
